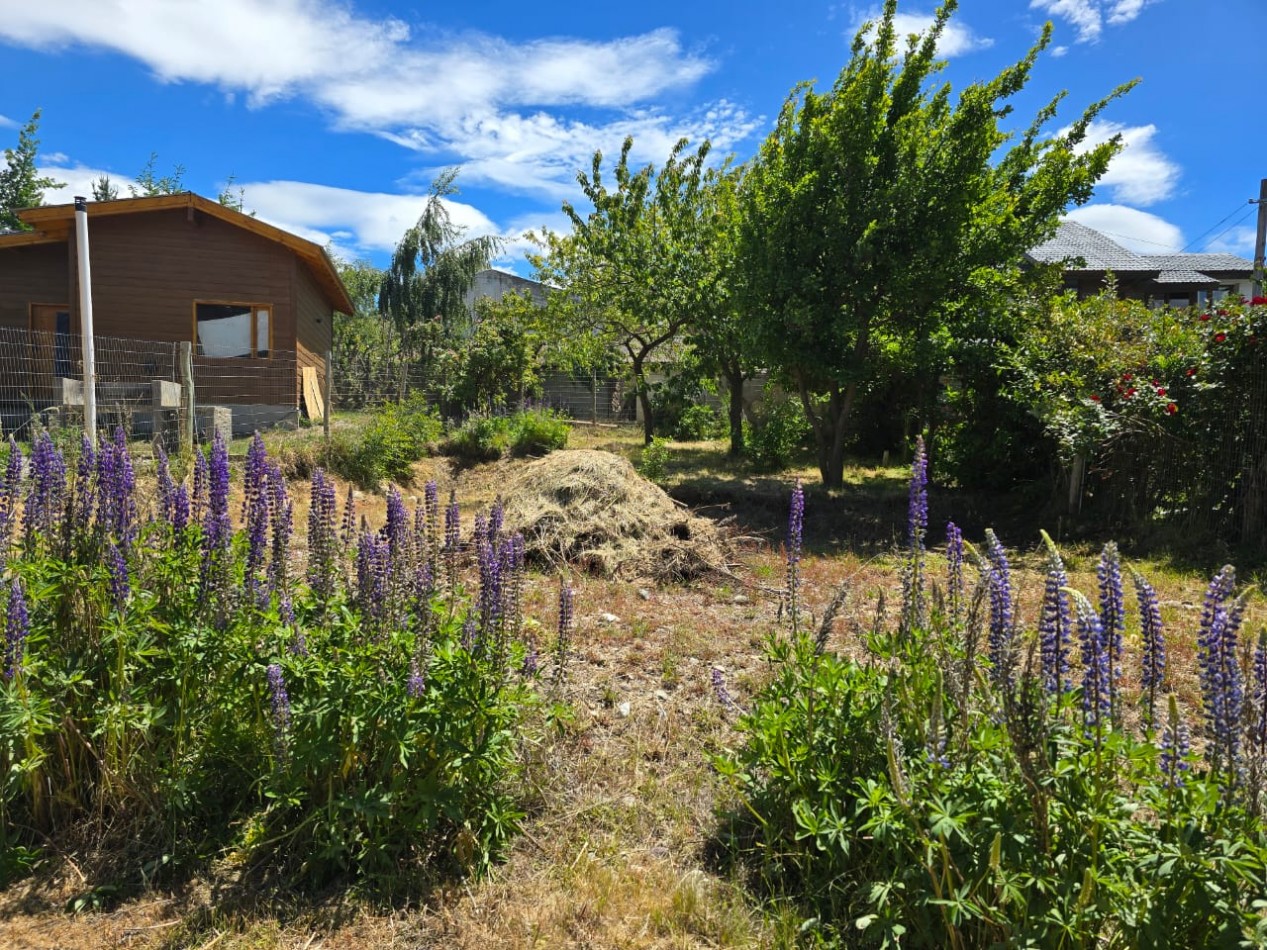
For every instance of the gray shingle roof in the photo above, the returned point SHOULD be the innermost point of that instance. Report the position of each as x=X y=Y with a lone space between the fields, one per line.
x=1098 y=253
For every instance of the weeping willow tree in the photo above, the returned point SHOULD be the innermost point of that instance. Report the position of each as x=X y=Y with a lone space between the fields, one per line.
x=432 y=268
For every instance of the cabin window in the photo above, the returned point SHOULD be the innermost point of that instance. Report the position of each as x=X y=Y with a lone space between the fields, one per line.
x=242 y=330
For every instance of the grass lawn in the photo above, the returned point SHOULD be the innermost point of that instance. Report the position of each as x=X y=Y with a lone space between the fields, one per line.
x=617 y=850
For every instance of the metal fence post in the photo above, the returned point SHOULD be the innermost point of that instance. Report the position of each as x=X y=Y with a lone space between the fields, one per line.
x=325 y=418
x=187 y=393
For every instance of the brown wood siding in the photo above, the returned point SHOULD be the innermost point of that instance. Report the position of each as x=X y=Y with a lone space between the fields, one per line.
x=35 y=274
x=314 y=323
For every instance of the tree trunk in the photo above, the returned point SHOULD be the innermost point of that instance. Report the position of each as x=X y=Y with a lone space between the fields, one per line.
x=644 y=400
x=829 y=433
x=735 y=380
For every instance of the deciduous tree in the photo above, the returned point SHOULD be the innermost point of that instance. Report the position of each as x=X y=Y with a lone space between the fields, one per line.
x=875 y=209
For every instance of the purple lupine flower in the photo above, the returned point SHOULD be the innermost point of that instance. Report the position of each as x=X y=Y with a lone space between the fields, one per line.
x=120 y=584
x=282 y=518
x=16 y=629
x=795 y=531
x=83 y=498
x=1112 y=613
x=181 y=514
x=397 y=527
x=373 y=564
x=1055 y=623
x=1153 y=675
x=1257 y=732
x=255 y=514
x=452 y=538
x=1002 y=620
x=1174 y=745
x=1095 y=665
x=9 y=491
x=198 y=504
x=280 y=707
x=495 y=518
x=166 y=486
x=431 y=502
x=470 y=633
x=116 y=481
x=720 y=691
x=1222 y=684
x=416 y=685
x=347 y=530
x=323 y=541
x=954 y=570
x=45 y=499
x=563 y=644
x=217 y=533
x=914 y=598
x=298 y=642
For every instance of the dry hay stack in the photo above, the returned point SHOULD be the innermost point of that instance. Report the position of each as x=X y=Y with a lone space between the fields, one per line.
x=591 y=510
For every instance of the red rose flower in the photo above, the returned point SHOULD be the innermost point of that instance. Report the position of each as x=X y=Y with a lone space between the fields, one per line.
x=1161 y=390
x=1220 y=337
x=1192 y=371
x=1258 y=301
x=1127 y=376
x=1221 y=313
x=1171 y=409
x=1205 y=317
x=1130 y=392
x=1095 y=398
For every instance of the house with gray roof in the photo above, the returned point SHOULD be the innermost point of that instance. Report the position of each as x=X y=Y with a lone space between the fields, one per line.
x=1178 y=280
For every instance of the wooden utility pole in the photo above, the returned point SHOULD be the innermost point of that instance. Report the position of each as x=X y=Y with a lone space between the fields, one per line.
x=1260 y=244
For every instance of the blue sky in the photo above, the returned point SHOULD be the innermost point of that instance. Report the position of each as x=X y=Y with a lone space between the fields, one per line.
x=334 y=116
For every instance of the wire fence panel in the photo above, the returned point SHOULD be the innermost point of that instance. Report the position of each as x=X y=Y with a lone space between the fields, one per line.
x=140 y=385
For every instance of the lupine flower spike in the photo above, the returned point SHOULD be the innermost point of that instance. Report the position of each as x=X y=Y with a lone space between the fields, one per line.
x=1222 y=685
x=16 y=628
x=914 y=599
x=1153 y=674
x=1095 y=666
x=795 y=530
x=1112 y=615
x=1055 y=623
x=954 y=571
x=280 y=709
x=1001 y=618
x=1174 y=745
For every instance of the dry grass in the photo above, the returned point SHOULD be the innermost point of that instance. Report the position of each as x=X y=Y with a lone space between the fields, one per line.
x=623 y=797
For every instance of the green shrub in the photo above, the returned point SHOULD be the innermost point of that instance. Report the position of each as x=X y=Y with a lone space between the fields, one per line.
x=653 y=460
x=396 y=436
x=779 y=434
x=973 y=784
x=538 y=432
x=481 y=439
x=699 y=422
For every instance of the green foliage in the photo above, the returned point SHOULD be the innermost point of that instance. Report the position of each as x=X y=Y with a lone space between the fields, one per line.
x=396 y=436
x=486 y=438
x=103 y=189
x=497 y=365
x=422 y=291
x=779 y=434
x=876 y=211
x=653 y=461
x=699 y=422
x=636 y=269
x=20 y=185
x=1011 y=831
x=149 y=183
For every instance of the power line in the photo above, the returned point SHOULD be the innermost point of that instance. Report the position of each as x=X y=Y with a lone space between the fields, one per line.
x=1248 y=211
x=1193 y=242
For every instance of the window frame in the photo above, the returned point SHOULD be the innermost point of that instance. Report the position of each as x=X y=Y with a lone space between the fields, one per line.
x=255 y=309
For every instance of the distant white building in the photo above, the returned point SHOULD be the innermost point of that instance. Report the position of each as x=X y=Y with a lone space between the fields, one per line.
x=498 y=283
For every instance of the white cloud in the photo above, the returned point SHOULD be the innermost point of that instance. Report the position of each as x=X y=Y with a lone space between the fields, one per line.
x=1058 y=51
x=956 y=38
x=356 y=222
x=1140 y=174
x=1237 y=240
x=7 y=123
x=1135 y=230
x=77 y=179
x=1089 y=16
x=464 y=97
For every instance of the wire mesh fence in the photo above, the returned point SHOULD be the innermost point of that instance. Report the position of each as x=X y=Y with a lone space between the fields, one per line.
x=148 y=387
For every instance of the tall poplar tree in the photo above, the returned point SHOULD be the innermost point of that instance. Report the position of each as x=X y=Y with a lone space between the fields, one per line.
x=876 y=209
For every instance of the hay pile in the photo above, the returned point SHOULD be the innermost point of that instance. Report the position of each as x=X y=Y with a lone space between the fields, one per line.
x=592 y=511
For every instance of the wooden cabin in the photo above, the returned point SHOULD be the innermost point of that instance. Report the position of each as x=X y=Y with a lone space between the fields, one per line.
x=256 y=302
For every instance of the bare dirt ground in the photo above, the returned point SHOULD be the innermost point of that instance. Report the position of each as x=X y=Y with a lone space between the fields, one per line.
x=623 y=799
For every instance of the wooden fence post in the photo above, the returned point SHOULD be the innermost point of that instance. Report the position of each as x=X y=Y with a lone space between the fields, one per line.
x=329 y=393
x=187 y=391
